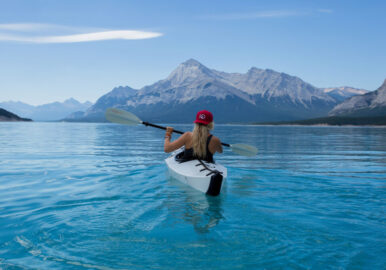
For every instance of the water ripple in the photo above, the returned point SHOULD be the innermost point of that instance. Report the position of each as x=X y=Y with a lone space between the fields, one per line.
x=97 y=196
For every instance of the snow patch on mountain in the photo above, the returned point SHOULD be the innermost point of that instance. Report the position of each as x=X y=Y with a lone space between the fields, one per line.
x=370 y=102
x=258 y=94
x=271 y=84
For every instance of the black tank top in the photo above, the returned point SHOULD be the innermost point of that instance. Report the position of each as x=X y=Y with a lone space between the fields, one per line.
x=189 y=154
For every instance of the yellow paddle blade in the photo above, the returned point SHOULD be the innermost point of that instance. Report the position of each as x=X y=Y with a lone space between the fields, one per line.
x=122 y=117
x=244 y=149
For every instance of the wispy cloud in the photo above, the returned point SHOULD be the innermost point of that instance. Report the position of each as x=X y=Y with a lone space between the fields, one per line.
x=261 y=14
x=251 y=15
x=64 y=34
x=325 y=10
x=43 y=27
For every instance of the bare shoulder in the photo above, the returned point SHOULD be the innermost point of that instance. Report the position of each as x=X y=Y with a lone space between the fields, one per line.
x=216 y=140
x=216 y=144
x=187 y=135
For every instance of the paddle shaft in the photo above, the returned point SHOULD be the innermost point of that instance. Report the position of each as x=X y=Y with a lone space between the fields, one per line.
x=175 y=131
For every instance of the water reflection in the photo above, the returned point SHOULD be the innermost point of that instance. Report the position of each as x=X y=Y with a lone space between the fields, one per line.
x=245 y=183
x=202 y=211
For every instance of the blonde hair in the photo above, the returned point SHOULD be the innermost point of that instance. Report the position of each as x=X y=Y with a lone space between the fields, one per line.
x=200 y=136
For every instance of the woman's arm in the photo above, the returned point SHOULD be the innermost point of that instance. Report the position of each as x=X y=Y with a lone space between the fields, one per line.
x=218 y=145
x=215 y=145
x=171 y=146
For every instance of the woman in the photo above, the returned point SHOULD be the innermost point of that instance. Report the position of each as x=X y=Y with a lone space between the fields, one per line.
x=199 y=143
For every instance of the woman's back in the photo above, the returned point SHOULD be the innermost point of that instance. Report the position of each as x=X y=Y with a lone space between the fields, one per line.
x=210 y=149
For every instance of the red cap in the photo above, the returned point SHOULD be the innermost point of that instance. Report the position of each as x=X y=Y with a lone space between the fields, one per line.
x=204 y=117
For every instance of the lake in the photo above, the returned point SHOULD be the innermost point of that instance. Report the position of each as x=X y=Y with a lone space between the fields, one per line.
x=97 y=196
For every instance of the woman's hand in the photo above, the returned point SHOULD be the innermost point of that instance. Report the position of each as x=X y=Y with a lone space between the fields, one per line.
x=178 y=143
x=168 y=134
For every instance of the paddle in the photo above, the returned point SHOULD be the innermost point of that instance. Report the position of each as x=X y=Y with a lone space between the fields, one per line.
x=127 y=118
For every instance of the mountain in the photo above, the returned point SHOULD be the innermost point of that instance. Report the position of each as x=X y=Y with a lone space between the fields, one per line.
x=46 y=112
x=192 y=80
x=342 y=93
x=258 y=95
x=117 y=97
x=18 y=107
x=271 y=84
x=369 y=104
x=8 y=116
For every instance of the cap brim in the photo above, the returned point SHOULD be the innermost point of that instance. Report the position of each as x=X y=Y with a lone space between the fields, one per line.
x=201 y=122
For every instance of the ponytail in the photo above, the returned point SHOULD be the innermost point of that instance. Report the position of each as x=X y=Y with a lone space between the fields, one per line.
x=200 y=137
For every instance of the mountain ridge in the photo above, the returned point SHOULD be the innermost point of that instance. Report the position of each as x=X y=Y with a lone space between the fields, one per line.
x=344 y=92
x=369 y=104
x=46 y=112
x=268 y=95
x=7 y=116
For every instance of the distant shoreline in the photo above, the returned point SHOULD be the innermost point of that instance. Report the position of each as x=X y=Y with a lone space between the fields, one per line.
x=317 y=125
x=333 y=121
x=222 y=124
x=6 y=116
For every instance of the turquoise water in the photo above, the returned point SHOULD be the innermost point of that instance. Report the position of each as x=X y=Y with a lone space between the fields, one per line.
x=96 y=196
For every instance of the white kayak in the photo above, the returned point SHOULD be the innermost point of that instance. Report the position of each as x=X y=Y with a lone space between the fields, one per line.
x=200 y=175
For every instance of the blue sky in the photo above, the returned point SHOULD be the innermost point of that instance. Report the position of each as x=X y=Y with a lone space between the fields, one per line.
x=53 y=50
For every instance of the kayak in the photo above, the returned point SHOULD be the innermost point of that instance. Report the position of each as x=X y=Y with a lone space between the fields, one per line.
x=200 y=175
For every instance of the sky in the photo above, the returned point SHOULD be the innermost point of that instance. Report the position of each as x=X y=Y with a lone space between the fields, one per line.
x=53 y=50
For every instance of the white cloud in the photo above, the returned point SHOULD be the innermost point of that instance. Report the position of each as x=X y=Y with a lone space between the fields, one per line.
x=253 y=15
x=7 y=33
x=22 y=26
x=33 y=27
x=262 y=14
